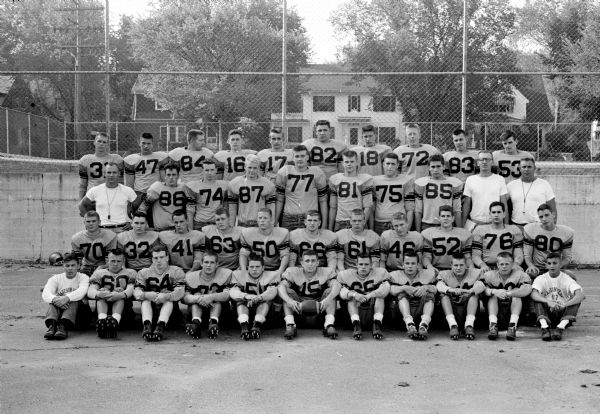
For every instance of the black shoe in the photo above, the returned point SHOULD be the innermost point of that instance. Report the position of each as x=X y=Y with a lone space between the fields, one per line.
x=256 y=330
x=101 y=328
x=147 y=332
x=557 y=334
x=159 y=331
x=245 y=332
x=411 y=331
x=51 y=331
x=454 y=332
x=357 y=334
x=290 y=331
x=493 y=332
x=546 y=334
x=213 y=329
x=330 y=332
x=193 y=330
x=423 y=331
x=377 y=332
x=111 y=327
x=469 y=332
x=511 y=332
x=61 y=331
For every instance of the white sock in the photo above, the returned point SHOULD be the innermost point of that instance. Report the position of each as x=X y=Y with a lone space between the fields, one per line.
x=260 y=319
x=425 y=320
x=102 y=316
x=470 y=320
x=451 y=320
x=408 y=320
x=493 y=319
x=563 y=324
x=514 y=319
x=544 y=323
x=243 y=318
x=198 y=320
x=354 y=318
x=378 y=317
x=215 y=318
x=329 y=320
x=289 y=320
x=117 y=317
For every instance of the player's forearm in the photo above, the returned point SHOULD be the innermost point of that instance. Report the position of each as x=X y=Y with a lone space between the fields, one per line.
x=504 y=201
x=528 y=255
x=418 y=220
x=83 y=183
x=577 y=299
x=92 y=291
x=128 y=291
x=395 y=290
x=282 y=292
x=293 y=259
x=381 y=292
x=442 y=287
x=345 y=293
x=476 y=257
x=466 y=209
x=566 y=257
x=244 y=259
x=383 y=260
x=537 y=297
x=324 y=215
x=269 y=295
x=367 y=211
x=285 y=260
x=49 y=292
x=220 y=296
x=332 y=214
x=80 y=292
x=139 y=294
x=521 y=292
x=458 y=219
x=189 y=299
x=427 y=260
x=279 y=207
x=340 y=263
x=177 y=294
x=130 y=180
x=518 y=254
x=410 y=218
x=235 y=293
x=469 y=260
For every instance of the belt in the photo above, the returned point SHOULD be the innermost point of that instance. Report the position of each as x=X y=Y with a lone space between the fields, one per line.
x=114 y=226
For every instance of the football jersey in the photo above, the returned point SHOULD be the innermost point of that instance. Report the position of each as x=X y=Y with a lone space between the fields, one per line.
x=91 y=168
x=232 y=164
x=137 y=249
x=145 y=168
x=468 y=280
x=151 y=280
x=352 y=193
x=183 y=247
x=166 y=201
x=250 y=196
x=247 y=284
x=431 y=194
x=442 y=244
x=490 y=241
x=326 y=155
x=351 y=280
x=226 y=245
x=371 y=158
x=271 y=161
x=560 y=289
x=197 y=283
x=270 y=247
x=392 y=195
x=461 y=164
x=190 y=162
x=105 y=279
x=424 y=277
x=352 y=245
x=394 y=246
x=508 y=164
x=313 y=288
x=324 y=243
x=540 y=242
x=414 y=161
x=515 y=280
x=210 y=195
x=94 y=248
x=302 y=189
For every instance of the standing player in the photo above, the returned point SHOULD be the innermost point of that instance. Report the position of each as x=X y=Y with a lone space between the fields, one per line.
x=459 y=290
x=392 y=193
x=415 y=290
x=491 y=239
x=356 y=241
x=435 y=191
x=415 y=155
x=272 y=159
x=158 y=288
x=348 y=191
x=206 y=290
x=270 y=243
x=253 y=289
x=325 y=153
x=111 y=287
x=507 y=160
x=367 y=286
x=393 y=243
x=91 y=166
x=137 y=243
x=444 y=241
x=506 y=288
x=462 y=162
x=312 y=237
x=210 y=194
x=224 y=240
x=190 y=158
x=371 y=154
x=249 y=193
x=93 y=242
x=300 y=188
x=231 y=164
x=305 y=284
x=185 y=246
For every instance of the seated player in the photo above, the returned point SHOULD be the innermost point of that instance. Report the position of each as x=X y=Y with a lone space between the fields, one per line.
x=305 y=286
x=415 y=290
x=459 y=290
x=557 y=299
x=206 y=289
x=355 y=241
x=210 y=194
x=185 y=246
x=393 y=243
x=93 y=243
x=253 y=289
x=158 y=288
x=137 y=243
x=64 y=293
x=312 y=237
x=231 y=163
x=367 y=287
x=224 y=240
x=272 y=159
x=505 y=288
x=111 y=287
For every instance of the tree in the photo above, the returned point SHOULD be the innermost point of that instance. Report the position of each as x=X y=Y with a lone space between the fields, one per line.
x=426 y=35
x=221 y=36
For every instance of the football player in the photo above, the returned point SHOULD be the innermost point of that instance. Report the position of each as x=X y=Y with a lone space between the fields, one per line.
x=462 y=162
x=93 y=242
x=505 y=288
x=91 y=166
x=307 y=284
x=253 y=289
x=190 y=159
x=312 y=237
x=355 y=241
x=325 y=153
x=413 y=154
x=274 y=158
x=393 y=243
x=210 y=194
x=185 y=246
x=206 y=290
x=371 y=153
x=232 y=163
x=270 y=243
x=111 y=287
x=507 y=160
x=137 y=243
x=158 y=288
x=223 y=239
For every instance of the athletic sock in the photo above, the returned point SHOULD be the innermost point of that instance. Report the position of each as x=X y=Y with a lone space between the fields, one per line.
x=260 y=319
x=329 y=320
x=289 y=320
x=514 y=319
x=243 y=318
x=425 y=320
x=408 y=320
x=197 y=321
x=117 y=317
x=215 y=320
x=378 y=317
x=470 y=320
x=354 y=318
x=493 y=319
x=543 y=323
x=451 y=320
x=102 y=316
x=563 y=324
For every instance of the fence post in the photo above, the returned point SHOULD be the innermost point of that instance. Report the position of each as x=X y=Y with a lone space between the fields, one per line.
x=29 y=133
x=7 y=132
x=117 y=135
x=48 y=137
x=538 y=141
x=485 y=135
x=65 y=137
x=220 y=135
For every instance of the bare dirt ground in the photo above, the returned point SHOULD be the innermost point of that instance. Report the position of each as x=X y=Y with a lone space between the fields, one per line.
x=309 y=374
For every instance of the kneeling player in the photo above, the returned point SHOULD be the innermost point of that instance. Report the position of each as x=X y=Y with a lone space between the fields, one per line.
x=557 y=298
x=459 y=290
x=415 y=289
x=111 y=287
x=307 y=288
x=365 y=286
x=206 y=290
x=506 y=288
x=158 y=287
x=253 y=289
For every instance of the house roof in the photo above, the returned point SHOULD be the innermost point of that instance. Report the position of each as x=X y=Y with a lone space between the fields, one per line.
x=538 y=108
x=318 y=84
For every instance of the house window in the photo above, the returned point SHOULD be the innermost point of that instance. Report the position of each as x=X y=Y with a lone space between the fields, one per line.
x=173 y=133
x=387 y=135
x=505 y=104
x=323 y=103
x=386 y=103
x=294 y=134
x=353 y=136
x=354 y=103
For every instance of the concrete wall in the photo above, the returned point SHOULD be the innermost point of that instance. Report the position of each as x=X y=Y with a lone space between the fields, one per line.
x=39 y=212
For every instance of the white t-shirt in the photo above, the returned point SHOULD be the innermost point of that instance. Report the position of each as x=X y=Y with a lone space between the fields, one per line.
x=527 y=197
x=483 y=191
x=111 y=203
x=560 y=289
x=60 y=285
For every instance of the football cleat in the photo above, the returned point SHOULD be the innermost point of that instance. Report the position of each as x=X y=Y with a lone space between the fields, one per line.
x=546 y=334
x=101 y=328
x=357 y=334
x=423 y=333
x=411 y=331
x=158 y=332
x=111 y=327
x=51 y=331
x=255 y=331
x=377 y=332
x=493 y=332
x=213 y=329
x=55 y=259
x=454 y=333
x=290 y=331
x=193 y=330
x=61 y=331
x=557 y=334
x=469 y=332
x=330 y=332
x=511 y=332
x=147 y=332
x=245 y=332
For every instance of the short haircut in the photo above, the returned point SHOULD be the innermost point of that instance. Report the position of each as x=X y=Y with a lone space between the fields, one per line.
x=368 y=128
x=554 y=255
x=545 y=206
x=252 y=159
x=323 y=122
x=410 y=253
x=75 y=255
x=256 y=258
x=140 y=215
x=236 y=131
x=398 y=215
x=505 y=255
x=350 y=154
x=436 y=158
x=221 y=210
x=527 y=159
x=313 y=213
x=111 y=164
x=486 y=152
x=357 y=212
x=299 y=148
x=498 y=204
x=363 y=256
x=172 y=166
x=101 y=134
x=445 y=208
x=211 y=253
x=507 y=134
x=265 y=210
x=392 y=156
x=160 y=248
x=412 y=125
x=146 y=135
x=116 y=252
x=208 y=162
x=459 y=131
x=459 y=256
x=92 y=213
x=309 y=252
x=194 y=133
x=276 y=130
x=179 y=212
